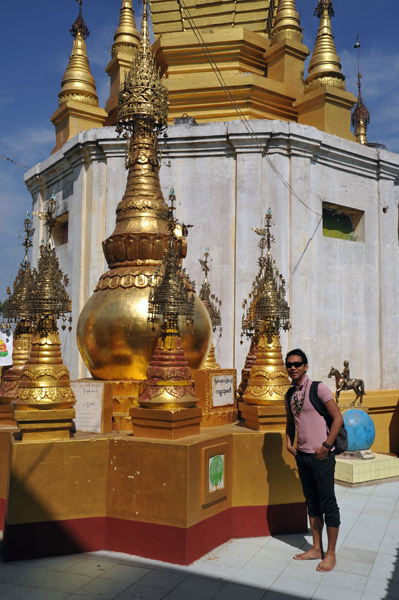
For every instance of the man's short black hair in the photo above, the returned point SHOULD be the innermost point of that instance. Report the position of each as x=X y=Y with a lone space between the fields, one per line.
x=297 y=352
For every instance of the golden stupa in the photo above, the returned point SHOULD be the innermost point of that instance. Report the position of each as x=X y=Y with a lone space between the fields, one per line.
x=267 y=314
x=16 y=309
x=114 y=336
x=44 y=407
x=168 y=384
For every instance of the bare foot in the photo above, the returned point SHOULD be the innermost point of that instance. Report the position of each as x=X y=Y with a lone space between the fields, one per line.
x=327 y=564
x=311 y=554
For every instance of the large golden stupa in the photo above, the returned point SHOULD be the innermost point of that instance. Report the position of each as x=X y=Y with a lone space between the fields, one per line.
x=114 y=336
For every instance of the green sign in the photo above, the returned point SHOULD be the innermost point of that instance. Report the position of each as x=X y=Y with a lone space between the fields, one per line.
x=216 y=471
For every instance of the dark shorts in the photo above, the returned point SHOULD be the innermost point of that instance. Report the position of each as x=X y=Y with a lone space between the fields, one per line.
x=317 y=478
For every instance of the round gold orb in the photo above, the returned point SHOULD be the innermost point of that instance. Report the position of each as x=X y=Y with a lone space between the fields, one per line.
x=116 y=341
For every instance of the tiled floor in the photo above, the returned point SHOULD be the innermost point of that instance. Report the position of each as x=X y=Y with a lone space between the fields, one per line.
x=244 y=569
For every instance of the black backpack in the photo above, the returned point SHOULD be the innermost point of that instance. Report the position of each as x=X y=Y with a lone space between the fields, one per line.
x=341 y=442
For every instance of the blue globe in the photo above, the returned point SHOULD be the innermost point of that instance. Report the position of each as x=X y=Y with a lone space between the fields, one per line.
x=360 y=428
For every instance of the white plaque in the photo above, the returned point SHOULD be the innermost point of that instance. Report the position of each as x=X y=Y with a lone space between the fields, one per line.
x=89 y=405
x=222 y=390
x=5 y=349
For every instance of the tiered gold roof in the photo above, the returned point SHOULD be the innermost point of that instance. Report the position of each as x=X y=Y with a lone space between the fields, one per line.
x=257 y=48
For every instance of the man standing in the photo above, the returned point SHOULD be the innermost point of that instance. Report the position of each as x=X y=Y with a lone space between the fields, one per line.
x=314 y=456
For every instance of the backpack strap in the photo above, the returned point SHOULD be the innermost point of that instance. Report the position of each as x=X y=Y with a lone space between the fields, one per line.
x=290 y=393
x=318 y=405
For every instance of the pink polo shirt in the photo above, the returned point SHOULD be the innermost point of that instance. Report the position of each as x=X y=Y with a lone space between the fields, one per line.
x=311 y=428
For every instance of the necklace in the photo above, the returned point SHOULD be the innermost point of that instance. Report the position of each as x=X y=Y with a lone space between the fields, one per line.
x=299 y=400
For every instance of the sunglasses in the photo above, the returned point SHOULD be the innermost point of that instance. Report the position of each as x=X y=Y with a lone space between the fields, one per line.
x=296 y=364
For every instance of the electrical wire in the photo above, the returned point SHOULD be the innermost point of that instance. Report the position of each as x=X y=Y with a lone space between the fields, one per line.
x=14 y=162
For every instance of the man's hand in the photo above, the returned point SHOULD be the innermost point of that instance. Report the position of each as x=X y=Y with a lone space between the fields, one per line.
x=291 y=449
x=321 y=453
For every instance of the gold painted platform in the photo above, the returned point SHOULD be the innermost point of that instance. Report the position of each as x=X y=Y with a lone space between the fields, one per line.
x=353 y=471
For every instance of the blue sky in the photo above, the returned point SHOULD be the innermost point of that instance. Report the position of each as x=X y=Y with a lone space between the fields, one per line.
x=37 y=45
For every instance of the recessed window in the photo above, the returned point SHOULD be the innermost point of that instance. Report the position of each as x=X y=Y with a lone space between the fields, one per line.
x=60 y=232
x=343 y=222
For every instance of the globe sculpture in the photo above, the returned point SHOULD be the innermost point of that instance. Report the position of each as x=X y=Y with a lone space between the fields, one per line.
x=360 y=428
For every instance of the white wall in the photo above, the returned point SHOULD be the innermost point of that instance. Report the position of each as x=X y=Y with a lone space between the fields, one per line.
x=343 y=295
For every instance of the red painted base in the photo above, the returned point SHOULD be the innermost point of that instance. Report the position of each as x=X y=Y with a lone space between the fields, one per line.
x=161 y=542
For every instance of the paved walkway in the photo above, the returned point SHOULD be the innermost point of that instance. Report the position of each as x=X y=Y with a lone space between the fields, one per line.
x=245 y=569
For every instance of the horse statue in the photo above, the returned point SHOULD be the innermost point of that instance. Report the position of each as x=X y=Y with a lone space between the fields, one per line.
x=344 y=383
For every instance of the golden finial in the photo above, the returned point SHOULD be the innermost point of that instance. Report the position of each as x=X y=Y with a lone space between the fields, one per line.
x=48 y=217
x=360 y=115
x=126 y=36
x=212 y=302
x=324 y=66
x=173 y=296
x=78 y=82
x=287 y=24
x=143 y=94
x=212 y=305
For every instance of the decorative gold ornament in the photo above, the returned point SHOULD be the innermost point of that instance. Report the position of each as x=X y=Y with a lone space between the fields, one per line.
x=212 y=304
x=286 y=23
x=168 y=381
x=16 y=309
x=114 y=337
x=324 y=66
x=266 y=315
x=44 y=406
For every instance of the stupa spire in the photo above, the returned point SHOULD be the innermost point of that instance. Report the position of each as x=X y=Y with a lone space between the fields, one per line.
x=126 y=35
x=287 y=23
x=360 y=115
x=78 y=82
x=324 y=66
x=126 y=41
x=78 y=101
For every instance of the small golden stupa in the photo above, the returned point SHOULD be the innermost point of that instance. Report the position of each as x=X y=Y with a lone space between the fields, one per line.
x=44 y=406
x=78 y=107
x=16 y=309
x=114 y=337
x=212 y=304
x=267 y=314
x=168 y=381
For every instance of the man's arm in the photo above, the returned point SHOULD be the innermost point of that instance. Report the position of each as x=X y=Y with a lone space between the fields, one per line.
x=290 y=430
x=337 y=422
